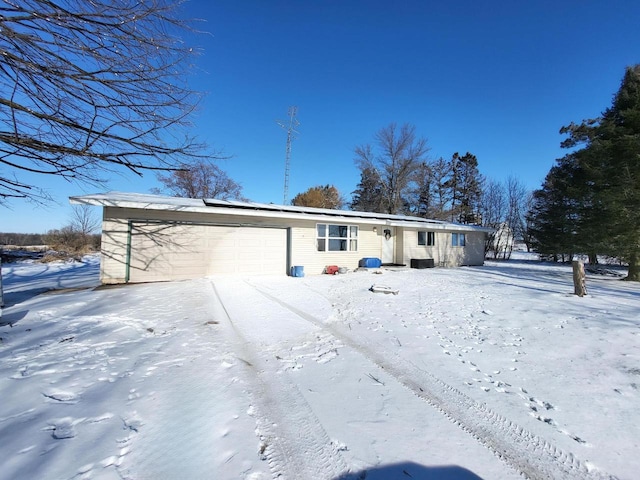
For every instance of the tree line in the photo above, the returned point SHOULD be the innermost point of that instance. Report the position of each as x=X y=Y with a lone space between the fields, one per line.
x=78 y=237
x=397 y=177
x=588 y=204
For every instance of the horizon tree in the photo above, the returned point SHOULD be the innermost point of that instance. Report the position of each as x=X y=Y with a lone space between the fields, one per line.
x=89 y=88
x=85 y=220
x=321 y=196
x=203 y=179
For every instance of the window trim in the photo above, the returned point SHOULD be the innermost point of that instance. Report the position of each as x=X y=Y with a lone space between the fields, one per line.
x=429 y=239
x=458 y=239
x=351 y=239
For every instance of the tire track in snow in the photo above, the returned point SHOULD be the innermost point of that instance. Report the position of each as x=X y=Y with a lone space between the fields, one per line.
x=293 y=441
x=532 y=456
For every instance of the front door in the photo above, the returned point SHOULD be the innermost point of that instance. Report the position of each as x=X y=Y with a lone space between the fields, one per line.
x=388 y=238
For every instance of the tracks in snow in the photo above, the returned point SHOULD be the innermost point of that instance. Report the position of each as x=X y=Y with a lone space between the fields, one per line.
x=527 y=453
x=293 y=441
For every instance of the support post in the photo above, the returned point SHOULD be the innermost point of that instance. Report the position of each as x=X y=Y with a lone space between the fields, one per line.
x=579 y=279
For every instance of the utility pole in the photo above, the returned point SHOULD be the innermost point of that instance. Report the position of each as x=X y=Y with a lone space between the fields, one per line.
x=291 y=132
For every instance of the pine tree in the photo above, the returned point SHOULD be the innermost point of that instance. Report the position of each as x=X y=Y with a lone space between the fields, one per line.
x=553 y=215
x=422 y=197
x=368 y=196
x=610 y=165
x=465 y=184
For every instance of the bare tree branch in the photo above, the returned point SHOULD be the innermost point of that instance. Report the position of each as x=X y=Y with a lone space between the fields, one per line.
x=400 y=153
x=93 y=87
x=202 y=179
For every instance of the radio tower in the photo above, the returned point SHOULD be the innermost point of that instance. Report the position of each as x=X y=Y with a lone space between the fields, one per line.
x=291 y=132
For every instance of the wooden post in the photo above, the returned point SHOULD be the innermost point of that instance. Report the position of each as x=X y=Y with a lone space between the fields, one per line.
x=579 y=280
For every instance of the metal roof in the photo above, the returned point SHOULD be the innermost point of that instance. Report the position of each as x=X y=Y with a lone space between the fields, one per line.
x=231 y=207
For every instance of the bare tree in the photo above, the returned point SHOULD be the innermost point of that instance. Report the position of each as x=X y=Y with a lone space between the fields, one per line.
x=203 y=179
x=84 y=220
x=398 y=155
x=518 y=197
x=441 y=171
x=494 y=212
x=92 y=87
x=504 y=208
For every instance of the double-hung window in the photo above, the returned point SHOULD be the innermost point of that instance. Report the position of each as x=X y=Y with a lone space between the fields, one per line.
x=426 y=238
x=458 y=240
x=337 y=238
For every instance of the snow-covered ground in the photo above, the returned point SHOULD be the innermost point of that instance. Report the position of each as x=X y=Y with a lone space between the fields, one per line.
x=494 y=372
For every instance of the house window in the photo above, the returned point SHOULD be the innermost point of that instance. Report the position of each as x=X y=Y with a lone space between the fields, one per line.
x=427 y=238
x=337 y=238
x=458 y=240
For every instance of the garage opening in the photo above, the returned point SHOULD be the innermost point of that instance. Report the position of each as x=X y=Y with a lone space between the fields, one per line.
x=178 y=251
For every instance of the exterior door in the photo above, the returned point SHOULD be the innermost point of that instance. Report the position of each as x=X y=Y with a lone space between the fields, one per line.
x=388 y=238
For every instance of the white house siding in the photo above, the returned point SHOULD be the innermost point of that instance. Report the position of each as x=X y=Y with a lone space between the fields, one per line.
x=114 y=248
x=178 y=245
x=304 y=251
x=442 y=253
x=171 y=244
x=474 y=251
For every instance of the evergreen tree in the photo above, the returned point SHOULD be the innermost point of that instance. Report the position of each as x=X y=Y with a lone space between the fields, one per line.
x=422 y=197
x=465 y=183
x=554 y=214
x=368 y=196
x=609 y=161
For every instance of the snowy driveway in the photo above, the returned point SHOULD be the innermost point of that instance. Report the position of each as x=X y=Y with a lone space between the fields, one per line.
x=469 y=373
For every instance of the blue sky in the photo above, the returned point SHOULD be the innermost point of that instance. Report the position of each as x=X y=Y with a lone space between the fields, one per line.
x=494 y=78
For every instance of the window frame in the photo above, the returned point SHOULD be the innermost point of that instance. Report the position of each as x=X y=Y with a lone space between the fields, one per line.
x=350 y=240
x=429 y=238
x=458 y=239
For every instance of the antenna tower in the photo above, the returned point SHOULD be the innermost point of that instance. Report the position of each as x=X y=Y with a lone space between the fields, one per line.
x=290 y=127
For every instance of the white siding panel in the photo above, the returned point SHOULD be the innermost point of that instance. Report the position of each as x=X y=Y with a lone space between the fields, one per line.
x=305 y=252
x=443 y=253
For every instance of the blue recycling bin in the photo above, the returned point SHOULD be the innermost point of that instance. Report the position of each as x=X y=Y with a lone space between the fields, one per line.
x=297 y=271
x=370 y=262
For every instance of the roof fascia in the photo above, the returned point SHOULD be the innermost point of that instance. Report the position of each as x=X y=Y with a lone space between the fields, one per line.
x=248 y=210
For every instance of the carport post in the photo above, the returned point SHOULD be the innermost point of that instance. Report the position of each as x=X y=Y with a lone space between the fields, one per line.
x=1 y=293
x=289 y=241
x=127 y=265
